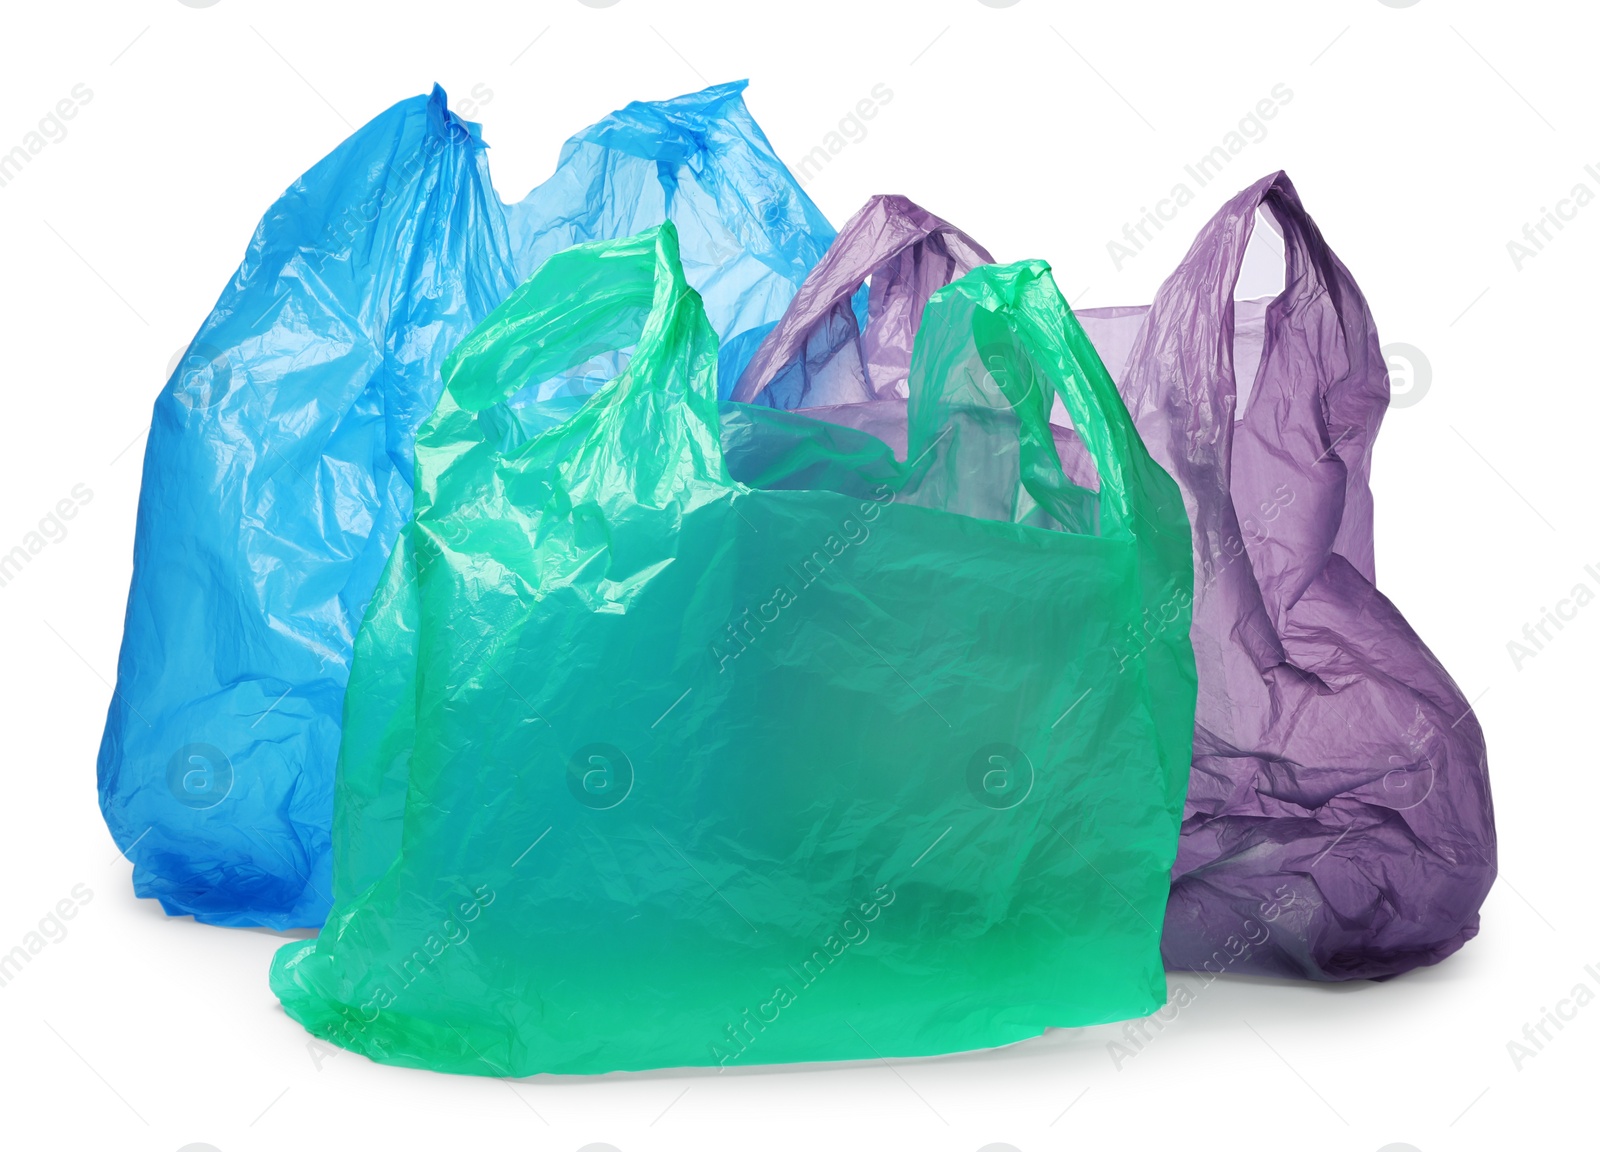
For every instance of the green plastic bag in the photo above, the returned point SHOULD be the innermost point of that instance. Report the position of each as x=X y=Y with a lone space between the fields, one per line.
x=648 y=767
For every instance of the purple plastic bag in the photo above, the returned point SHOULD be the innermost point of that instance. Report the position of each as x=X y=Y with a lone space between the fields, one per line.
x=1339 y=823
x=822 y=361
x=816 y=355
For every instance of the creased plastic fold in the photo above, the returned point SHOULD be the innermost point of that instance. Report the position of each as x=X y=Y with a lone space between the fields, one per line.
x=279 y=463
x=703 y=772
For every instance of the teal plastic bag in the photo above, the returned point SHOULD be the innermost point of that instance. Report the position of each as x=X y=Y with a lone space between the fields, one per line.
x=698 y=773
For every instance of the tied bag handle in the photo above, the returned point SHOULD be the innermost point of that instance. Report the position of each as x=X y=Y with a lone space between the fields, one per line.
x=909 y=253
x=1289 y=480
x=612 y=294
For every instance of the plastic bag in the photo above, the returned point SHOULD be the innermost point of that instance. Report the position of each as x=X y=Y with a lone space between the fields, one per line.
x=842 y=350
x=816 y=352
x=1339 y=823
x=279 y=465
x=823 y=351
x=699 y=773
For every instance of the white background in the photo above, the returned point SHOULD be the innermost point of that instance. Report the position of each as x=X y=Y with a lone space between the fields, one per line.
x=1422 y=139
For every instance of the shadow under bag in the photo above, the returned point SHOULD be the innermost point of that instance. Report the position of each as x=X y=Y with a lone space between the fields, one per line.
x=696 y=772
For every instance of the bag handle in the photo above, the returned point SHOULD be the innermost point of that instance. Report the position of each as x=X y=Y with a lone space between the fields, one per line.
x=909 y=253
x=1012 y=324
x=1289 y=478
x=608 y=296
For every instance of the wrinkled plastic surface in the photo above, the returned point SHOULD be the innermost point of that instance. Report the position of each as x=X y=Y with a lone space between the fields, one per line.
x=819 y=354
x=698 y=773
x=279 y=464
x=1339 y=822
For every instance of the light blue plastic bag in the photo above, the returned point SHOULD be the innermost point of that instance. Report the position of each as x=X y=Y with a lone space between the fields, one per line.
x=279 y=464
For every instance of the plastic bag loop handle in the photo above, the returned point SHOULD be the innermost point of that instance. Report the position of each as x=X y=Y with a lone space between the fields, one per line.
x=881 y=231
x=1023 y=299
x=623 y=293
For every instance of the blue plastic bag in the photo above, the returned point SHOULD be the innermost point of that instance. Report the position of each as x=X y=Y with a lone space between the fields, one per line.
x=279 y=464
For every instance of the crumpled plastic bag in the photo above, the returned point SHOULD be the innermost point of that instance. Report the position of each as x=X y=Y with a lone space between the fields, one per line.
x=699 y=773
x=279 y=464
x=1339 y=822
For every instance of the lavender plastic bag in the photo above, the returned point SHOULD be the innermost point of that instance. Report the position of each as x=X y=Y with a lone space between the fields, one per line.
x=818 y=354
x=1339 y=823
x=842 y=350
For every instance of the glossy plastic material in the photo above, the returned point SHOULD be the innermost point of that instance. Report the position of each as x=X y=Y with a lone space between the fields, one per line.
x=698 y=773
x=279 y=464
x=1339 y=822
